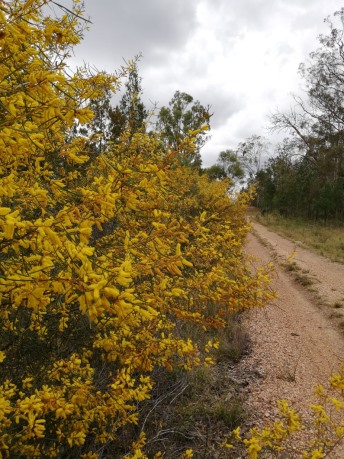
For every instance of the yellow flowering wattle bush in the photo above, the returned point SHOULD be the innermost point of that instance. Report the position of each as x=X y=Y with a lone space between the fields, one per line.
x=104 y=258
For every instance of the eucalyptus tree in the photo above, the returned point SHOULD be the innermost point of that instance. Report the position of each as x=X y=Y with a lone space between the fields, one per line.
x=175 y=122
x=317 y=120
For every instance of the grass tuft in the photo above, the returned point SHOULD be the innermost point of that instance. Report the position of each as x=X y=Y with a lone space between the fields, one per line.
x=338 y=305
x=234 y=342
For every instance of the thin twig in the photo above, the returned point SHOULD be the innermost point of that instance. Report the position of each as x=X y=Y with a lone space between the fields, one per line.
x=71 y=12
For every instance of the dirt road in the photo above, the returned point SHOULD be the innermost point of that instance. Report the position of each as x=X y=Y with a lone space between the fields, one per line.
x=295 y=344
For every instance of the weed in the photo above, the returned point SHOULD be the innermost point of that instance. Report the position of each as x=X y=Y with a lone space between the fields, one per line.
x=301 y=276
x=338 y=305
x=234 y=342
x=228 y=413
x=303 y=279
x=231 y=414
x=292 y=267
x=199 y=380
x=336 y=315
x=191 y=409
x=288 y=373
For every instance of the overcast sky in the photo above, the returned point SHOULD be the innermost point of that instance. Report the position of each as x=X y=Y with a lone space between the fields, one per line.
x=239 y=56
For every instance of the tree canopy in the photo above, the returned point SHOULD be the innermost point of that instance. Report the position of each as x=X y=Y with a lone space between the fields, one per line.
x=175 y=122
x=312 y=184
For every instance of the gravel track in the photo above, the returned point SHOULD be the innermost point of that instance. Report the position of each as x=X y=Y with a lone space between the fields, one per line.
x=295 y=345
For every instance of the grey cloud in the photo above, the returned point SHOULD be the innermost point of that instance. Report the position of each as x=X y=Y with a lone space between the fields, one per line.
x=249 y=15
x=245 y=131
x=126 y=28
x=238 y=16
x=222 y=105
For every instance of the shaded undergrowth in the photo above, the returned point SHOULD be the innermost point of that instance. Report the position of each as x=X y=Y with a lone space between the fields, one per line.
x=195 y=409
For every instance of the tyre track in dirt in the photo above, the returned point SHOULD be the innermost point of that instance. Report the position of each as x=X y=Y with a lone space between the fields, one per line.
x=327 y=275
x=295 y=346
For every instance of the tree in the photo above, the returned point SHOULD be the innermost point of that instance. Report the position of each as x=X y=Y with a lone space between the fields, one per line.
x=99 y=129
x=232 y=165
x=317 y=122
x=131 y=106
x=110 y=122
x=323 y=75
x=216 y=172
x=227 y=166
x=250 y=154
x=176 y=121
x=240 y=165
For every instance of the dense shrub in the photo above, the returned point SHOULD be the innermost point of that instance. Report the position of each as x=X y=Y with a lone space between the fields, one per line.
x=104 y=258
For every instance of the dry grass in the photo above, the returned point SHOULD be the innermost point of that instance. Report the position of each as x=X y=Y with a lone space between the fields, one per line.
x=234 y=341
x=325 y=239
x=193 y=410
x=196 y=409
x=338 y=305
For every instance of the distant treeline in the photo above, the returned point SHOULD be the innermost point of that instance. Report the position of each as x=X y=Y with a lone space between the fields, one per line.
x=306 y=177
x=310 y=187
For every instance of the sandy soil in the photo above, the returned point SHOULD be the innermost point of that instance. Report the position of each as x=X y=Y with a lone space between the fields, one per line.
x=295 y=344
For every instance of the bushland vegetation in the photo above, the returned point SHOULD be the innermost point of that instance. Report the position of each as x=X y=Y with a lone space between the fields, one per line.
x=119 y=263
x=305 y=177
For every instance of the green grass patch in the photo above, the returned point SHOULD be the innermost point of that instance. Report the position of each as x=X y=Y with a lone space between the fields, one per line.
x=327 y=239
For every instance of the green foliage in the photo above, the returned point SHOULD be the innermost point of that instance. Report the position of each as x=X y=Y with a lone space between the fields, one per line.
x=232 y=164
x=240 y=165
x=110 y=122
x=216 y=172
x=131 y=105
x=175 y=122
x=250 y=153
x=294 y=187
x=314 y=183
